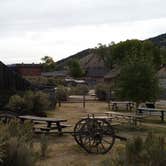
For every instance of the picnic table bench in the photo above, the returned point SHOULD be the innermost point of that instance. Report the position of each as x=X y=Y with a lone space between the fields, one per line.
x=46 y=124
x=132 y=118
x=152 y=112
x=115 y=105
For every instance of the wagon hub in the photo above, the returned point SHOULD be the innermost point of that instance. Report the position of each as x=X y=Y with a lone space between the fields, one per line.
x=98 y=138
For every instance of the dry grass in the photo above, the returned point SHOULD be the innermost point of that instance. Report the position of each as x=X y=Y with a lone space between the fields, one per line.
x=63 y=151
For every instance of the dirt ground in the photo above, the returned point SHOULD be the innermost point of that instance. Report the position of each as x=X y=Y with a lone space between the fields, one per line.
x=64 y=151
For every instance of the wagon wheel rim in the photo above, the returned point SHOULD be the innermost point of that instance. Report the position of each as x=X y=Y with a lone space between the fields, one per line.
x=77 y=130
x=96 y=136
x=101 y=139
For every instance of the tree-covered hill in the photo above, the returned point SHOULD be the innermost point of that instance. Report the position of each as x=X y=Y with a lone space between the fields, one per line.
x=82 y=54
x=159 y=40
x=88 y=58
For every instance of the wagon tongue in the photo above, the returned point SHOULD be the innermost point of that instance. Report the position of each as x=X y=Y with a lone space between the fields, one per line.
x=121 y=138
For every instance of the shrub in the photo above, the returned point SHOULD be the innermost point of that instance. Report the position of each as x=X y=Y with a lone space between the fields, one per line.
x=16 y=102
x=41 y=102
x=79 y=90
x=18 y=153
x=149 y=151
x=30 y=102
x=61 y=93
x=23 y=132
x=44 y=145
x=117 y=157
x=41 y=80
x=2 y=151
x=101 y=91
x=16 y=144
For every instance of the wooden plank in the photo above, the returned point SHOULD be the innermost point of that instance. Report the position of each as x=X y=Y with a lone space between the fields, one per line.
x=150 y=109
x=36 y=118
x=98 y=117
x=51 y=128
x=115 y=124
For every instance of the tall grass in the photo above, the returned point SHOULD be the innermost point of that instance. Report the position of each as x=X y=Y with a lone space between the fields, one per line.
x=16 y=144
x=150 y=151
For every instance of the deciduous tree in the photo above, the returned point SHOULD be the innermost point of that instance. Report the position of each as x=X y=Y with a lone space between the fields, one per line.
x=75 y=69
x=48 y=64
x=138 y=82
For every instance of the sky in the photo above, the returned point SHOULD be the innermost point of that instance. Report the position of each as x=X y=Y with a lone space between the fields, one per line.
x=32 y=29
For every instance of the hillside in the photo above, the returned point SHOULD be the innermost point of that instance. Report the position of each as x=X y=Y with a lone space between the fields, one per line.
x=82 y=54
x=88 y=58
x=159 y=40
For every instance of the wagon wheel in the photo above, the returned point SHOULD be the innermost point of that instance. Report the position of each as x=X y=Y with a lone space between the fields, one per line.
x=95 y=135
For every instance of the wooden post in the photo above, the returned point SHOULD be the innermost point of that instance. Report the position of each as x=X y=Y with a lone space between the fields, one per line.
x=59 y=101
x=108 y=99
x=83 y=101
x=162 y=116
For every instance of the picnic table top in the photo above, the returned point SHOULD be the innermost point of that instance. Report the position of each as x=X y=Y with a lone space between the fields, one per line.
x=125 y=114
x=97 y=117
x=151 y=109
x=46 y=119
x=122 y=102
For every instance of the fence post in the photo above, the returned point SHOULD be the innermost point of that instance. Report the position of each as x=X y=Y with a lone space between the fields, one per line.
x=83 y=101
x=108 y=99
x=162 y=116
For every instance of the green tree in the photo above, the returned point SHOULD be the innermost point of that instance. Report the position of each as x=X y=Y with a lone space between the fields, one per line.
x=75 y=69
x=138 y=82
x=104 y=53
x=163 y=55
x=129 y=49
x=48 y=64
x=120 y=53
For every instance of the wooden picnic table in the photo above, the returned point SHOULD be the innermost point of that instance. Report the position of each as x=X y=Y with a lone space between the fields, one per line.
x=98 y=117
x=115 y=104
x=51 y=123
x=131 y=117
x=152 y=112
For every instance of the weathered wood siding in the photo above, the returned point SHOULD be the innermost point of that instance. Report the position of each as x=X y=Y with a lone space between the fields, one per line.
x=10 y=80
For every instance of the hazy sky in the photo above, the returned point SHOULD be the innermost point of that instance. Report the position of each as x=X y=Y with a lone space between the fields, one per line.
x=31 y=29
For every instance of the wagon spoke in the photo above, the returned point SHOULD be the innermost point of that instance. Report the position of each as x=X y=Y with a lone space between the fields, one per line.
x=102 y=146
x=106 y=141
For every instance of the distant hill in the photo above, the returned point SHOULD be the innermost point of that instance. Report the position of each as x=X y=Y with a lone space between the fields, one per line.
x=159 y=40
x=88 y=58
x=82 y=54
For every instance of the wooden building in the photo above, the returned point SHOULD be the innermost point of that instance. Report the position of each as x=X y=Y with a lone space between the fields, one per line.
x=10 y=83
x=95 y=75
x=10 y=80
x=56 y=74
x=27 y=69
